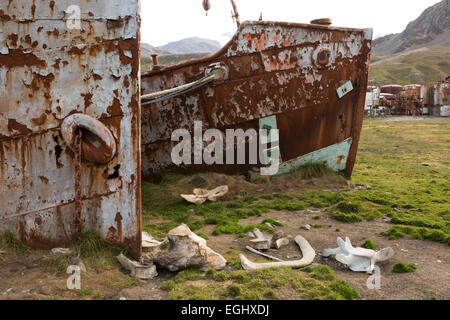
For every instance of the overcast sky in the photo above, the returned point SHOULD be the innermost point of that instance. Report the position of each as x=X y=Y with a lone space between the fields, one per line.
x=165 y=21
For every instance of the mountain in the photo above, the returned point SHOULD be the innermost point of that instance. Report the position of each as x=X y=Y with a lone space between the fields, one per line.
x=147 y=50
x=186 y=46
x=174 y=52
x=432 y=28
x=192 y=45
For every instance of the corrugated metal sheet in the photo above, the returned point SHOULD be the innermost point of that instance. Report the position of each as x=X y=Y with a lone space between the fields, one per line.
x=48 y=72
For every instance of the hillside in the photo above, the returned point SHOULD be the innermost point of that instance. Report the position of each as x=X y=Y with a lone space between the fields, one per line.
x=169 y=59
x=432 y=28
x=181 y=50
x=423 y=66
x=192 y=45
x=178 y=51
x=147 y=50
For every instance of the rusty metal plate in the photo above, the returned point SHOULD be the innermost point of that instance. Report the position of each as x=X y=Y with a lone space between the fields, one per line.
x=48 y=71
x=288 y=70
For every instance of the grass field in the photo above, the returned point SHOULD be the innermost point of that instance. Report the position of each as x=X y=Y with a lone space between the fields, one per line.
x=405 y=165
x=403 y=168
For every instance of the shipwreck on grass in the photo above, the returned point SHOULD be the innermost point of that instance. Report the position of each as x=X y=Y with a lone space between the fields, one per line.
x=75 y=137
x=306 y=80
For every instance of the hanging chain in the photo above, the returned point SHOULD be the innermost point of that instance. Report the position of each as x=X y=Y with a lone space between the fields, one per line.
x=78 y=183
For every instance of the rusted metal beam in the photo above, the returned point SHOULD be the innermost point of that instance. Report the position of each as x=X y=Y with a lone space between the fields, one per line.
x=235 y=13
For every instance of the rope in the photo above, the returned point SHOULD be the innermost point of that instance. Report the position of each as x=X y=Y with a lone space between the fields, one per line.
x=178 y=91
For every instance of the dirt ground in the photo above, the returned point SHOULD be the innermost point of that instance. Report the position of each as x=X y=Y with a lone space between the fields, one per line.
x=430 y=281
x=432 y=259
x=24 y=277
x=417 y=119
x=26 y=280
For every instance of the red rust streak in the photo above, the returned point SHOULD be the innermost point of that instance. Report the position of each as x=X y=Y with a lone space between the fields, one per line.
x=14 y=125
x=52 y=6
x=16 y=58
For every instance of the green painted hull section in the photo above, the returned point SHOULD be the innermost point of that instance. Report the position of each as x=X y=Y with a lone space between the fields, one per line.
x=335 y=157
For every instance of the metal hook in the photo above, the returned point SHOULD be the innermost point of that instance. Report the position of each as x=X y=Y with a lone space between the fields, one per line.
x=206 y=6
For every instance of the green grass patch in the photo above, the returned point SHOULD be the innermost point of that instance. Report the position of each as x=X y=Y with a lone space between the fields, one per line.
x=10 y=244
x=393 y=234
x=233 y=260
x=91 y=245
x=400 y=267
x=230 y=227
x=97 y=296
x=95 y=252
x=273 y=222
x=369 y=244
x=84 y=292
x=202 y=235
x=347 y=218
x=317 y=283
x=349 y=207
x=355 y=211
x=162 y=205
x=313 y=170
x=417 y=233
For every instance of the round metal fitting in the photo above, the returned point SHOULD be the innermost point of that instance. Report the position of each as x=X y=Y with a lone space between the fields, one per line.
x=323 y=21
x=98 y=143
x=323 y=56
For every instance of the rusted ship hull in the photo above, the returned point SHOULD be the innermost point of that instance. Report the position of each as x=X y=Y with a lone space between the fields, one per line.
x=308 y=81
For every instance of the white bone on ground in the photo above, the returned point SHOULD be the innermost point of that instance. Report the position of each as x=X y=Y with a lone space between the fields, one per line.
x=199 y=196
x=260 y=237
x=358 y=259
x=308 y=257
x=262 y=241
x=282 y=242
x=149 y=242
x=138 y=270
